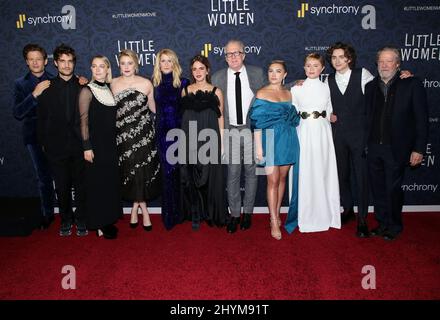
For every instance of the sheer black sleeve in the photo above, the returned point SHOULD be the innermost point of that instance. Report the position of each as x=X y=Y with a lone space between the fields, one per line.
x=85 y=98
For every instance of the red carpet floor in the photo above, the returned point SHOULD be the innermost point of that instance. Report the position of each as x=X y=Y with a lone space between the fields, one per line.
x=211 y=264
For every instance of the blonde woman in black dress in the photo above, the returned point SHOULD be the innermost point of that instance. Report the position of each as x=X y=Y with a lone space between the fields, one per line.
x=97 y=109
x=138 y=156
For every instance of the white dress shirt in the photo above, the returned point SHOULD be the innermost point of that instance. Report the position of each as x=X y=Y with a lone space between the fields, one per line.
x=342 y=79
x=246 y=95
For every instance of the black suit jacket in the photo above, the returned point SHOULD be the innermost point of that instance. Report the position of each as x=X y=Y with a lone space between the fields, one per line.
x=58 y=119
x=409 y=119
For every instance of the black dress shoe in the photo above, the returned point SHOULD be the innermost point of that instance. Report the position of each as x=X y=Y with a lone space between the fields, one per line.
x=246 y=221
x=378 y=232
x=347 y=216
x=109 y=232
x=232 y=225
x=209 y=223
x=99 y=233
x=362 y=231
x=46 y=222
x=195 y=225
x=389 y=236
x=81 y=230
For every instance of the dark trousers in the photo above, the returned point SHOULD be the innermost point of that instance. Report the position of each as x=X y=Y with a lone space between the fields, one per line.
x=68 y=173
x=350 y=155
x=386 y=177
x=44 y=179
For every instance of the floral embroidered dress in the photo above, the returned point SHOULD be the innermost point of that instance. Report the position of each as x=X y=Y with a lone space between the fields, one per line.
x=138 y=157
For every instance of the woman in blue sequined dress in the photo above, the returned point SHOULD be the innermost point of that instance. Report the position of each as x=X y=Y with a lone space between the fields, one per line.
x=168 y=85
x=274 y=119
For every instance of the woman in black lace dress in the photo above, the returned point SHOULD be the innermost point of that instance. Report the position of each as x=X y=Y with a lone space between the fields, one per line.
x=138 y=157
x=202 y=182
x=97 y=109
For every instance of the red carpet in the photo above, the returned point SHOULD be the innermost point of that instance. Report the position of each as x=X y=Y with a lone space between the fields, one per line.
x=211 y=264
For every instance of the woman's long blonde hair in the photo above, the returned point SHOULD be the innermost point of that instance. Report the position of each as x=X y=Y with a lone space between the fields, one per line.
x=177 y=69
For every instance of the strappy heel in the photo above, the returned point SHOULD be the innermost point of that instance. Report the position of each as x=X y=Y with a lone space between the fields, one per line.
x=275 y=231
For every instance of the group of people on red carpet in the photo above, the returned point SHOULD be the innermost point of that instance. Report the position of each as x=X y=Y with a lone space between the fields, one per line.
x=190 y=141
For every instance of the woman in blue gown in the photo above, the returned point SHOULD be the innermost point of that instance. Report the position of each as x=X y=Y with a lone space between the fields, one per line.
x=274 y=119
x=168 y=85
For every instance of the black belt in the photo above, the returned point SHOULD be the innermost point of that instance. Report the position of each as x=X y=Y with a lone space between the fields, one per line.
x=315 y=114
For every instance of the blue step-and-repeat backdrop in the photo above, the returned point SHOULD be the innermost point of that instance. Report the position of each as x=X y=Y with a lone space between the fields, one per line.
x=281 y=29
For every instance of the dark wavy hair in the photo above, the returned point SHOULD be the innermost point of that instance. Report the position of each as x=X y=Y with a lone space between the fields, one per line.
x=349 y=53
x=281 y=62
x=63 y=49
x=33 y=47
x=203 y=60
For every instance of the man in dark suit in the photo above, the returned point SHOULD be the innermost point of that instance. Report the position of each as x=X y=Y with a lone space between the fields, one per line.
x=239 y=84
x=396 y=136
x=26 y=91
x=347 y=88
x=58 y=134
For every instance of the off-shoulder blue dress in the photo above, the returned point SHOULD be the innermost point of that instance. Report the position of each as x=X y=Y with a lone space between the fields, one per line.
x=278 y=121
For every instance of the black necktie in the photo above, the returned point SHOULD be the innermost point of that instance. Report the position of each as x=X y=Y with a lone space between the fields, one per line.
x=238 y=107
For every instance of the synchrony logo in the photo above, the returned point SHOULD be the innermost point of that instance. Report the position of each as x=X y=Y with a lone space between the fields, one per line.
x=67 y=19
x=431 y=83
x=20 y=21
x=206 y=49
x=369 y=12
x=220 y=51
x=420 y=187
x=302 y=11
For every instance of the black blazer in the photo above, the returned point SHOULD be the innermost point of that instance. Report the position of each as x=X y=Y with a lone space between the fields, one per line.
x=58 y=119
x=409 y=124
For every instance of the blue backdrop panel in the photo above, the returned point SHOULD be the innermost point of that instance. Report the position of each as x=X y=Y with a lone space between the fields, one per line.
x=282 y=29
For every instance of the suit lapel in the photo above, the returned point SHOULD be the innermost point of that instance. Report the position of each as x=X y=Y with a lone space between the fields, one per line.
x=224 y=83
x=251 y=80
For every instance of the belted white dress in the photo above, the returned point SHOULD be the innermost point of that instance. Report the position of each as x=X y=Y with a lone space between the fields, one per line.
x=318 y=186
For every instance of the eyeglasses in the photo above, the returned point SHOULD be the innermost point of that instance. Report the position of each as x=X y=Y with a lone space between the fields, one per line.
x=233 y=54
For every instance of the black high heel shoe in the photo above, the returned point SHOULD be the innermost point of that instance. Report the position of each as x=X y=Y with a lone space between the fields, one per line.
x=108 y=232
x=148 y=228
x=134 y=225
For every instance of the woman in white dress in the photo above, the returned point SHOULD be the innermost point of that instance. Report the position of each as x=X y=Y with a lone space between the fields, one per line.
x=318 y=187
